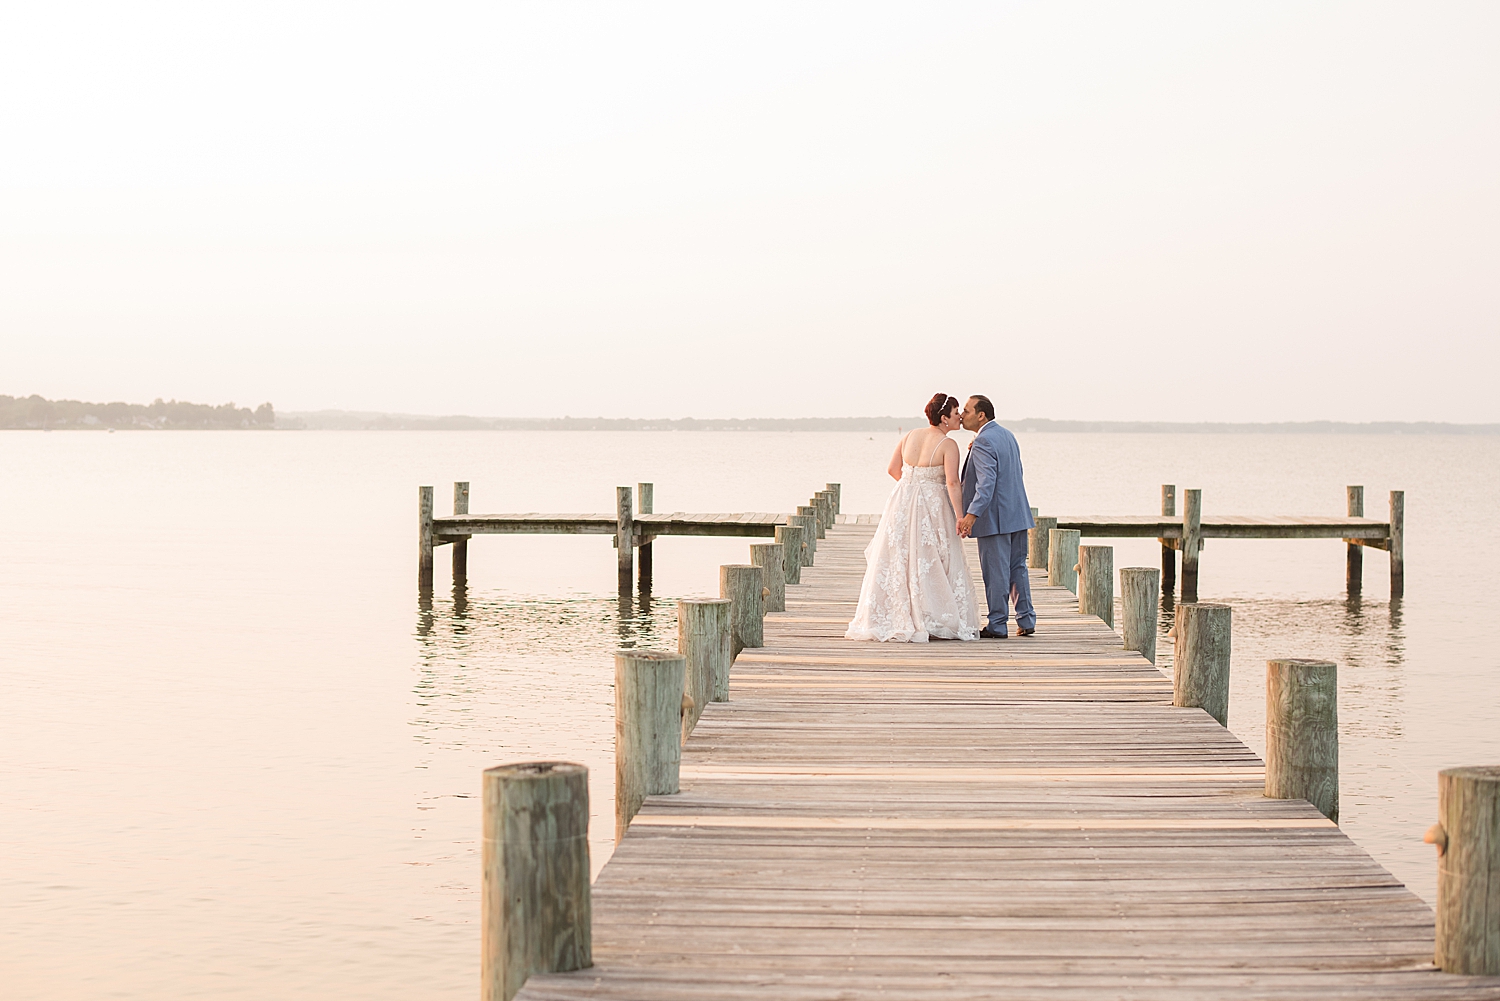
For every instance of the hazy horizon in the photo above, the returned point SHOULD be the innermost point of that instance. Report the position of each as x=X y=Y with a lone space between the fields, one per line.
x=1155 y=212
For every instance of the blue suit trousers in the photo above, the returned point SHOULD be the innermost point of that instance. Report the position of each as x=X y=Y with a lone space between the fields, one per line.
x=1002 y=562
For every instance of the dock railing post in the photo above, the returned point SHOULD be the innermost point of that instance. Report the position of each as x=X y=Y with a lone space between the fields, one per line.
x=460 y=545
x=1302 y=733
x=1192 y=541
x=1200 y=668
x=703 y=640
x=1168 y=553
x=424 y=536
x=536 y=915
x=771 y=558
x=624 y=536
x=1037 y=541
x=1468 y=927
x=813 y=534
x=645 y=500
x=1062 y=558
x=790 y=537
x=743 y=584
x=649 y=686
x=1140 y=605
x=1398 y=543
x=836 y=494
x=823 y=505
x=1096 y=582
x=1355 y=558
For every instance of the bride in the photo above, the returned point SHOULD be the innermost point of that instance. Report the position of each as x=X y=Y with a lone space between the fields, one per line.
x=917 y=581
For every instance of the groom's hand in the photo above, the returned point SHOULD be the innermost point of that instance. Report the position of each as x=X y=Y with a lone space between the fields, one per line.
x=966 y=525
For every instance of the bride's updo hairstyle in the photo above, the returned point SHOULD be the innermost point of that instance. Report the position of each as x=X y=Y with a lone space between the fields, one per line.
x=938 y=407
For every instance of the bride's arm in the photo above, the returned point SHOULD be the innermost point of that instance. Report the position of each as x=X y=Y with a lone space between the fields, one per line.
x=895 y=467
x=950 y=470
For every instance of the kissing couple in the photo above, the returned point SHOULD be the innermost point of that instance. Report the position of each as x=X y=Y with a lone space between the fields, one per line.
x=917 y=583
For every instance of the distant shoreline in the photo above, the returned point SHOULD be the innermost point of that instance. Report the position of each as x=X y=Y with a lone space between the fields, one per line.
x=345 y=420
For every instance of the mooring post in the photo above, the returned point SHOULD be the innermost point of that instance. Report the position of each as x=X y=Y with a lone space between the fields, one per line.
x=1201 y=658
x=461 y=544
x=810 y=512
x=624 y=536
x=836 y=493
x=1355 y=558
x=1037 y=541
x=1192 y=541
x=1140 y=604
x=536 y=915
x=649 y=686
x=790 y=537
x=1398 y=543
x=821 y=506
x=743 y=584
x=703 y=641
x=424 y=536
x=1096 y=582
x=1302 y=733
x=1062 y=558
x=1468 y=845
x=771 y=558
x=1168 y=552
x=644 y=505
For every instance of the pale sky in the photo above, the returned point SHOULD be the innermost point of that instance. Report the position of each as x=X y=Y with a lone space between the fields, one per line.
x=1196 y=211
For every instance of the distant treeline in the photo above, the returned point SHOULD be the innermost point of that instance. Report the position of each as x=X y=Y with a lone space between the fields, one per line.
x=346 y=420
x=35 y=412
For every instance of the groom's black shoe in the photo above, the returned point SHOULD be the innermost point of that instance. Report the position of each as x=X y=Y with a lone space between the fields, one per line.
x=1029 y=632
x=985 y=634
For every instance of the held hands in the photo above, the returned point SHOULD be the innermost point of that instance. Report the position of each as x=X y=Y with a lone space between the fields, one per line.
x=966 y=525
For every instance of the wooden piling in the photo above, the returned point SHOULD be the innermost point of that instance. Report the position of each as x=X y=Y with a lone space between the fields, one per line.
x=536 y=914
x=461 y=545
x=1168 y=552
x=790 y=537
x=771 y=558
x=1037 y=541
x=645 y=500
x=1398 y=543
x=624 y=535
x=809 y=535
x=836 y=492
x=424 y=536
x=1201 y=658
x=1467 y=836
x=1355 y=557
x=1062 y=558
x=1096 y=582
x=742 y=585
x=811 y=511
x=823 y=506
x=649 y=685
x=1140 y=604
x=1302 y=733
x=1192 y=541
x=703 y=640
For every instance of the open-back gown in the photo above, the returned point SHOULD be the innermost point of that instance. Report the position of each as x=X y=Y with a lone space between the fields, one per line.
x=917 y=582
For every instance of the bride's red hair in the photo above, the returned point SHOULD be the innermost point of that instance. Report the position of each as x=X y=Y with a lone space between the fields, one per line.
x=939 y=407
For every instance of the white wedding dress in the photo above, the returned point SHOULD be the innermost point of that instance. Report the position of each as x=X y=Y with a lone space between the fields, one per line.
x=917 y=581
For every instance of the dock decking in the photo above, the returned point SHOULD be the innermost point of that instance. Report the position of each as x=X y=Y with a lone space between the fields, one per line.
x=1020 y=819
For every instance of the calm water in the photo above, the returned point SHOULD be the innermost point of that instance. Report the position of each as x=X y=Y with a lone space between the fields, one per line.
x=240 y=755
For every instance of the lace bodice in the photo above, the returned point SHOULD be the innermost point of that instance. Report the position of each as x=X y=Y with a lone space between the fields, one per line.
x=932 y=474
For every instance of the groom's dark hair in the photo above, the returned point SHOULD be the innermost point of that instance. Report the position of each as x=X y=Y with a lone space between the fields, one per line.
x=984 y=406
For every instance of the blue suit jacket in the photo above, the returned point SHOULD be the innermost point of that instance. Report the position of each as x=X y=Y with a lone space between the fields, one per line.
x=992 y=489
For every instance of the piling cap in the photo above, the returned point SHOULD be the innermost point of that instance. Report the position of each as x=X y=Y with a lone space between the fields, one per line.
x=1475 y=773
x=536 y=769
x=649 y=654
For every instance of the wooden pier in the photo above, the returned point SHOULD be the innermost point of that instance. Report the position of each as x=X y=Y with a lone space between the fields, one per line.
x=1029 y=818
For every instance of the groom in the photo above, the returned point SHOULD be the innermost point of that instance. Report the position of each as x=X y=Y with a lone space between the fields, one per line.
x=997 y=514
